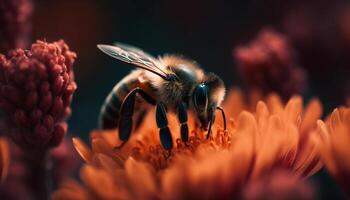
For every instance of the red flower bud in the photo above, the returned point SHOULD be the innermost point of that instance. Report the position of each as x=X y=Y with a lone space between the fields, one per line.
x=268 y=64
x=36 y=89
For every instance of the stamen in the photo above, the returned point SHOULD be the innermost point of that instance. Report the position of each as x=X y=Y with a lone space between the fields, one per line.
x=159 y=158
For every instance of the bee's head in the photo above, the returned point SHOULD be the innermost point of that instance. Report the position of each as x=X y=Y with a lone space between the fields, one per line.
x=206 y=97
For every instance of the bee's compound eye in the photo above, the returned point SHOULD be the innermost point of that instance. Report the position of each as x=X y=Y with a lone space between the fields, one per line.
x=200 y=97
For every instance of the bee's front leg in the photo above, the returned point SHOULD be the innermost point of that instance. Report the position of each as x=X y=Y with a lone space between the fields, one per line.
x=182 y=115
x=162 y=123
x=127 y=111
x=223 y=116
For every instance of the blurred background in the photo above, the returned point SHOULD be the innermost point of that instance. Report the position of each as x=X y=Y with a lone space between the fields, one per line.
x=206 y=31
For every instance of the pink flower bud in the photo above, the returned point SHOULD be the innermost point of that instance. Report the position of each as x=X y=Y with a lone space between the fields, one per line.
x=57 y=85
x=46 y=101
x=268 y=64
x=21 y=118
x=36 y=89
x=41 y=133
x=36 y=116
x=57 y=107
x=11 y=93
x=31 y=100
x=59 y=133
x=48 y=122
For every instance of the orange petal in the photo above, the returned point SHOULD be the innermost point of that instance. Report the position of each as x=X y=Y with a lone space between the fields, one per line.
x=269 y=148
x=335 y=121
x=106 y=162
x=323 y=132
x=246 y=122
x=173 y=180
x=308 y=160
x=110 y=136
x=340 y=145
x=4 y=159
x=289 y=144
x=99 y=145
x=242 y=158
x=82 y=149
x=274 y=103
x=141 y=178
x=312 y=113
x=262 y=114
x=322 y=142
x=247 y=127
x=71 y=190
x=293 y=109
x=100 y=182
x=255 y=95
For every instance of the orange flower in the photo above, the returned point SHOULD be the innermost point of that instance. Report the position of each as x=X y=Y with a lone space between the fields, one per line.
x=281 y=135
x=333 y=138
x=4 y=159
x=256 y=145
x=237 y=101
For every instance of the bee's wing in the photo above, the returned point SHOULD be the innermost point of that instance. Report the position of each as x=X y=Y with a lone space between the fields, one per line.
x=137 y=50
x=135 y=56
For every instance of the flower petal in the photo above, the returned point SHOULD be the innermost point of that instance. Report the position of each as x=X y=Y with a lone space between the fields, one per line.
x=262 y=114
x=4 y=159
x=312 y=113
x=247 y=126
x=71 y=190
x=82 y=149
x=100 y=182
x=106 y=162
x=99 y=145
x=269 y=147
x=141 y=178
x=293 y=109
x=274 y=103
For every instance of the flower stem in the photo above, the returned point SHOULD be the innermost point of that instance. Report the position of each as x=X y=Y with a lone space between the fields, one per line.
x=38 y=173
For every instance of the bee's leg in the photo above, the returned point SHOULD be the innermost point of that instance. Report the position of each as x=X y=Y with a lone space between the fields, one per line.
x=168 y=155
x=126 y=112
x=162 y=123
x=211 y=114
x=182 y=115
x=212 y=119
x=223 y=116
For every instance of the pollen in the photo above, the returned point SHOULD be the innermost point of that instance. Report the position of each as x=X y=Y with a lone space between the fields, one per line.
x=160 y=158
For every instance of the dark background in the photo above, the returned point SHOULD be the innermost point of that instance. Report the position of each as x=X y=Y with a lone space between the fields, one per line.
x=204 y=31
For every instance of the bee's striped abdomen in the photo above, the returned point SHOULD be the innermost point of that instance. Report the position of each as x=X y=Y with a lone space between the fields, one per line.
x=109 y=115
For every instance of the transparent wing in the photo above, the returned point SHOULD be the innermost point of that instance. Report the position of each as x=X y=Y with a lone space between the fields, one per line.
x=136 y=50
x=135 y=56
x=139 y=51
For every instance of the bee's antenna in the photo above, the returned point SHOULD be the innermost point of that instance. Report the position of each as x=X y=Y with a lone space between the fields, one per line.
x=223 y=116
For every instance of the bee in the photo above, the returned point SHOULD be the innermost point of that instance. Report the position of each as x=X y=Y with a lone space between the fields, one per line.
x=170 y=83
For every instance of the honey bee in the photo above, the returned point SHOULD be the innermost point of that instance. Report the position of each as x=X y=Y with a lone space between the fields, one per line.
x=170 y=83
